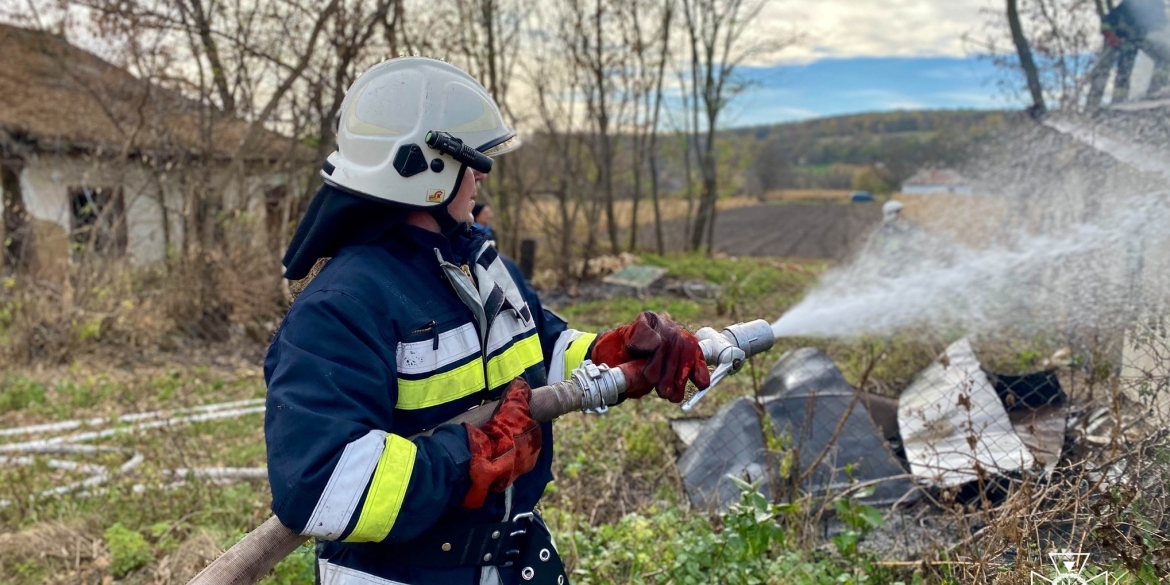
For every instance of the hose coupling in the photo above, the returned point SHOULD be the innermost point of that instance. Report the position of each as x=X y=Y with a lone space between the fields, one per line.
x=600 y=386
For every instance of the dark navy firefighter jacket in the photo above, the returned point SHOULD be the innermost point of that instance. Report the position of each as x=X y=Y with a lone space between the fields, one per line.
x=392 y=338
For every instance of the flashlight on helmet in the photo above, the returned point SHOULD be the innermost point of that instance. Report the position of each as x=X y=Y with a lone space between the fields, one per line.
x=447 y=144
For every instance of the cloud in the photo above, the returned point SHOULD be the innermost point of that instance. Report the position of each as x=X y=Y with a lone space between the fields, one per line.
x=872 y=28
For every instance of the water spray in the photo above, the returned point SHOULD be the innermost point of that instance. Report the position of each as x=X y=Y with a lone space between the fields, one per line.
x=1090 y=274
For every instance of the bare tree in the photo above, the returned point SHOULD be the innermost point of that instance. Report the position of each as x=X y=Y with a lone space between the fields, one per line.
x=1055 y=51
x=592 y=35
x=645 y=76
x=1025 y=54
x=559 y=152
x=486 y=41
x=718 y=46
x=351 y=38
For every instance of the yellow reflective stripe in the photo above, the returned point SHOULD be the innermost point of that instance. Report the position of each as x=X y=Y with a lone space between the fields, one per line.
x=575 y=355
x=521 y=356
x=387 y=490
x=441 y=388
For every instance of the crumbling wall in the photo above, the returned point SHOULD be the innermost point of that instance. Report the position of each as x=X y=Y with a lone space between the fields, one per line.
x=156 y=204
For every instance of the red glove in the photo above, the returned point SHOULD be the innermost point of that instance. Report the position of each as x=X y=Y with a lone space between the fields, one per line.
x=672 y=356
x=1111 y=38
x=505 y=448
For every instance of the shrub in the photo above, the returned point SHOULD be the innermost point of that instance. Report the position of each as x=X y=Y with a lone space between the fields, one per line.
x=20 y=393
x=128 y=550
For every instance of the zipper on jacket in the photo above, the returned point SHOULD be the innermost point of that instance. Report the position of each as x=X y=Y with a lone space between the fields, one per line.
x=468 y=292
x=430 y=327
x=483 y=348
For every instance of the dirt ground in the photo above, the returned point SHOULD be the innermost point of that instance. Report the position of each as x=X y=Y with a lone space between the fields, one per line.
x=814 y=231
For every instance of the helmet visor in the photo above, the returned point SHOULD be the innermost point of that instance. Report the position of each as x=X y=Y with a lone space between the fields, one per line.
x=506 y=145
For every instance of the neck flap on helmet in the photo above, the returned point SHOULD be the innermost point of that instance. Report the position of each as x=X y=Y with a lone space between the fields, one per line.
x=337 y=218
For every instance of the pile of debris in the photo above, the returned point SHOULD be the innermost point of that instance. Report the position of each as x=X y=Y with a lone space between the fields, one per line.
x=957 y=426
x=623 y=276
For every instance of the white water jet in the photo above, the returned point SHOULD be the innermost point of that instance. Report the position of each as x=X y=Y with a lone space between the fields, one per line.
x=1088 y=274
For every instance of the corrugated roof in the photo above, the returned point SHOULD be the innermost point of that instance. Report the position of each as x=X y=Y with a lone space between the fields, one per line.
x=55 y=96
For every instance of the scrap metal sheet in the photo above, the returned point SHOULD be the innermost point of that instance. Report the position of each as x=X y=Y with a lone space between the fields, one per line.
x=953 y=422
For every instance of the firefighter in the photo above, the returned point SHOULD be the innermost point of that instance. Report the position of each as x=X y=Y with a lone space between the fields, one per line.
x=482 y=215
x=1131 y=26
x=888 y=246
x=891 y=212
x=414 y=319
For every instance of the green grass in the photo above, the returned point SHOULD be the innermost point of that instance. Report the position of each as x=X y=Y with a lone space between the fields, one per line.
x=616 y=507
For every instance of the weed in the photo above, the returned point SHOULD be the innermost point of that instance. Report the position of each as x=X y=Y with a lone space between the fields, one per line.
x=128 y=550
x=860 y=519
x=20 y=393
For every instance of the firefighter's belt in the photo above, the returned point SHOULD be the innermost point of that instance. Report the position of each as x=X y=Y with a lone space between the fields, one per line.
x=469 y=545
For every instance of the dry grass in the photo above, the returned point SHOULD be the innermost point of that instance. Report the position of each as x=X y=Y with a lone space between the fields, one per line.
x=75 y=551
x=185 y=562
x=102 y=304
x=546 y=211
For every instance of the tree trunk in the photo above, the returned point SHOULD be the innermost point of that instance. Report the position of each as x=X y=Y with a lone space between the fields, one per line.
x=636 y=195
x=688 y=171
x=1026 y=61
x=653 y=151
x=711 y=183
x=603 y=127
x=698 y=228
x=660 y=245
x=203 y=25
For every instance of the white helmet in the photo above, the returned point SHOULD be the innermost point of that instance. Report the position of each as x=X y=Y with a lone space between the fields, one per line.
x=891 y=209
x=407 y=128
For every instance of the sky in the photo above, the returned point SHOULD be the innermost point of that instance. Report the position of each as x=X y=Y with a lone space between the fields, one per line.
x=829 y=87
x=869 y=55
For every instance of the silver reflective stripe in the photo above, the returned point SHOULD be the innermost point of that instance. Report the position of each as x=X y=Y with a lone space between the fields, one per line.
x=420 y=357
x=332 y=574
x=505 y=328
x=465 y=289
x=498 y=273
x=346 y=486
x=556 y=371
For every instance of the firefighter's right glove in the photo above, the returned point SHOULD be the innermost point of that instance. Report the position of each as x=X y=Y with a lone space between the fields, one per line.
x=1111 y=38
x=505 y=448
x=671 y=353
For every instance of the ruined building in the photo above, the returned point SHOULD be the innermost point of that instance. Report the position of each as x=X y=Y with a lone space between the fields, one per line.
x=96 y=160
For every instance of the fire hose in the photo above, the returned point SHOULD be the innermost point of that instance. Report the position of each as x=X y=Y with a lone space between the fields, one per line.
x=591 y=388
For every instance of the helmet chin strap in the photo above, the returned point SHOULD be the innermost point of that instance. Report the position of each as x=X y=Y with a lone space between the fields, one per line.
x=450 y=227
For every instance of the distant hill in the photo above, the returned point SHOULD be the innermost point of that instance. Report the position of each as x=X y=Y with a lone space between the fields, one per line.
x=874 y=151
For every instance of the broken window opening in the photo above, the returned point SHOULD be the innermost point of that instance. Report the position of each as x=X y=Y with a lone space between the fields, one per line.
x=15 y=235
x=98 y=221
x=275 y=199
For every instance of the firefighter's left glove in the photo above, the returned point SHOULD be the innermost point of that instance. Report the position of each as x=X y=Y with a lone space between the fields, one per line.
x=671 y=353
x=505 y=448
